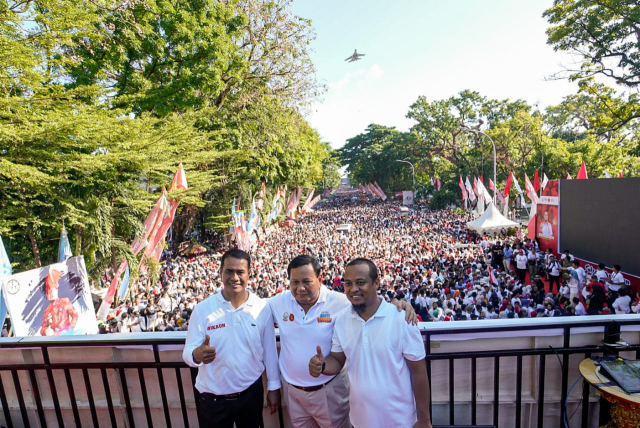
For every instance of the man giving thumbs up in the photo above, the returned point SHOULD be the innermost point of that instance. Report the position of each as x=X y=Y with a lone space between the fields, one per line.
x=204 y=353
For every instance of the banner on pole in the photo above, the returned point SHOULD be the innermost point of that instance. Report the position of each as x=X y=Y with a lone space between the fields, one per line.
x=51 y=301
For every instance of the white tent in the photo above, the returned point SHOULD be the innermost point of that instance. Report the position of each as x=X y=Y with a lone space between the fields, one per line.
x=491 y=221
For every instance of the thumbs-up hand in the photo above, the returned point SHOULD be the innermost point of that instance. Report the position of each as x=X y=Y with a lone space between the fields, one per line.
x=204 y=353
x=316 y=363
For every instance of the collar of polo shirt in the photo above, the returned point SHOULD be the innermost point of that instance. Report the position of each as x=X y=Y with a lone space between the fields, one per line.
x=249 y=302
x=383 y=311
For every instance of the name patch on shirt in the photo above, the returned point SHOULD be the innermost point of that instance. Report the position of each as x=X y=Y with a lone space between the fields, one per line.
x=215 y=327
x=324 y=317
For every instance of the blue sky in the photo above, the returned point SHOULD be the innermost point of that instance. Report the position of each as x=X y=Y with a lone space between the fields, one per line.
x=434 y=48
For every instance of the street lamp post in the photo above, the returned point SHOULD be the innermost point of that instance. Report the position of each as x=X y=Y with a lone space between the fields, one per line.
x=413 y=173
x=495 y=183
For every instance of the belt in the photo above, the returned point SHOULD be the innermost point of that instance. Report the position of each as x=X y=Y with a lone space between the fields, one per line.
x=234 y=396
x=313 y=388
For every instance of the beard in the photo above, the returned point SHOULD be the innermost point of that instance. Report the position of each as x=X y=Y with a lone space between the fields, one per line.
x=359 y=308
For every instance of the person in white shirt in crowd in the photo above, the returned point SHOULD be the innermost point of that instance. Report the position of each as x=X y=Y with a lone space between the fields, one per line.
x=553 y=272
x=136 y=323
x=579 y=307
x=231 y=340
x=385 y=357
x=575 y=265
x=602 y=274
x=621 y=304
x=306 y=315
x=521 y=265
x=616 y=281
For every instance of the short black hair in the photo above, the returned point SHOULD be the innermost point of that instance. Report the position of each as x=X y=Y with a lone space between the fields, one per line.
x=236 y=254
x=373 y=269
x=617 y=267
x=304 y=260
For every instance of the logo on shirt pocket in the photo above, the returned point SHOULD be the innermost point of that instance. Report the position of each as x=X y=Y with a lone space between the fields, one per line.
x=215 y=327
x=325 y=317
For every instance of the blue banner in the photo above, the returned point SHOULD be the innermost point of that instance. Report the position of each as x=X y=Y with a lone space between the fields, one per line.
x=5 y=272
x=64 y=249
x=124 y=287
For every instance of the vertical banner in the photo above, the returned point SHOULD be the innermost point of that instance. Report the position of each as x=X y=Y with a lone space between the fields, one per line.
x=548 y=227
x=51 y=301
x=407 y=197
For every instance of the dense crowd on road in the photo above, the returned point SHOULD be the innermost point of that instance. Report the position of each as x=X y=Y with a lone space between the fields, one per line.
x=427 y=257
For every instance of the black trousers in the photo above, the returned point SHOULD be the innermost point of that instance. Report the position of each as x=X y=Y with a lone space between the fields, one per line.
x=554 y=279
x=245 y=411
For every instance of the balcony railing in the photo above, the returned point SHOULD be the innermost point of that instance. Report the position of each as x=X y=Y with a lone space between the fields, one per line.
x=504 y=373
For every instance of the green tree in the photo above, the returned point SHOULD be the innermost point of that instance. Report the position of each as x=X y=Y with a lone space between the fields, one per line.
x=604 y=33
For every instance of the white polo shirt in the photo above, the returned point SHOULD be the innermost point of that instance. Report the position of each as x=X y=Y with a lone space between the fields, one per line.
x=245 y=343
x=381 y=394
x=300 y=333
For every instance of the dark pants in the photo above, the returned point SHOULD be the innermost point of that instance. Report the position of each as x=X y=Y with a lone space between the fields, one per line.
x=554 y=279
x=522 y=274
x=245 y=411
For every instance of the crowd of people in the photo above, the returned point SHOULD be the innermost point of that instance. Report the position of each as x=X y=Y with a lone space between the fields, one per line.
x=428 y=258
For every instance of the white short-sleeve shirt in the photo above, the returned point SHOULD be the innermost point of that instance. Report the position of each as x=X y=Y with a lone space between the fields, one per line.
x=381 y=394
x=300 y=333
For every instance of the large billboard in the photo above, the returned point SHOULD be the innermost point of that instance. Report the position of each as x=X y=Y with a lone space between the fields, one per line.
x=547 y=229
x=51 y=301
x=599 y=221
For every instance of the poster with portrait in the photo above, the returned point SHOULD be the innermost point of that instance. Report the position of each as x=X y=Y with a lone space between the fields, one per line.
x=53 y=300
x=547 y=229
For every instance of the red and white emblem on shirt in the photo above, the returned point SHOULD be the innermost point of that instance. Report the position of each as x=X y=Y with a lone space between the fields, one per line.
x=215 y=327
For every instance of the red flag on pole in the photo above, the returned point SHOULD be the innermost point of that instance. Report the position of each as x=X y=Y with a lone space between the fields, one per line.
x=507 y=185
x=620 y=174
x=582 y=174
x=568 y=176
x=536 y=182
x=438 y=184
x=461 y=184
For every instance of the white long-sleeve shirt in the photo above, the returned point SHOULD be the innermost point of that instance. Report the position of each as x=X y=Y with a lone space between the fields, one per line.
x=245 y=343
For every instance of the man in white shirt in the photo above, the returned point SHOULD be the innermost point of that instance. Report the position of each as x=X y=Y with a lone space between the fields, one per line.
x=231 y=339
x=306 y=316
x=386 y=367
x=617 y=280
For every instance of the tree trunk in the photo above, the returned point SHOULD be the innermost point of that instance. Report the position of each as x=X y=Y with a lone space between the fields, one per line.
x=78 y=240
x=114 y=261
x=34 y=245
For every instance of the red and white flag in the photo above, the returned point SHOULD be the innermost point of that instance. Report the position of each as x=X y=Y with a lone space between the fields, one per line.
x=492 y=187
x=461 y=185
x=568 y=176
x=620 y=174
x=438 y=184
x=536 y=181
x=492 y=276
x=545 y=181
x=531 y=191
x=470 y=191
x=507 y=186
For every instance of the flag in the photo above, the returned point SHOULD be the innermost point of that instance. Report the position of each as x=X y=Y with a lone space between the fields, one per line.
x=475 y=187
x=464 y=193
x=515 y=183
x=380 y=191
x=507 y=186
x=620 y=174
x=64 y=249
x=545 y=181
x=483 y=193
x=438 y=184
x=492 y=187
x=260 y=200
x=492 y=276
x=606 y=174
x=124 y=286
x=470 y=192
x=517 y=186
x=314 y=201
x=568 y=176
x=531 y=191
x=582 y=174
x=536 y=181
x=309 y=199
x=103 y=311
x=5 y=271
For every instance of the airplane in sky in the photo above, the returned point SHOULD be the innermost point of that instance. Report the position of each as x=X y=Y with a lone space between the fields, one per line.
x=355 y=57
